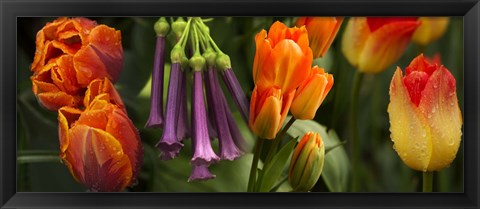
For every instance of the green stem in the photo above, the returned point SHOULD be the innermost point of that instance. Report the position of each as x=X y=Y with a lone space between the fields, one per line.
x=253 y=169
x=38 y=159
x=278 y=138
x=355 y=145
x=427 y=181
x=275 y=188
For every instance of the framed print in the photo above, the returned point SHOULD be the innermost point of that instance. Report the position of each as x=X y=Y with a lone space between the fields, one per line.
x=270 y=104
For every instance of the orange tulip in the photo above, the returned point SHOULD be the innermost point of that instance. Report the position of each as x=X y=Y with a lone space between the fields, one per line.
x=431 y=29
x=372 y=44
x=425 y=119
x=321 y=32
x=268 y=110
x=311 y=93
x=282 y=59
x=100 y=145
x=70 y=53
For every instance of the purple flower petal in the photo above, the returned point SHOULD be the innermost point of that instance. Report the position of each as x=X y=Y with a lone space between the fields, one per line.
x=228 y=149
x=182 y=123
x=237 y=93
x=200 y=173
x=169 y=144
x=236 y=135
x=203 y=154
x=155 y=119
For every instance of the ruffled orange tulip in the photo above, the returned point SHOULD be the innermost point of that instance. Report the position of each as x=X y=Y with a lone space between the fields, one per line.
x=311 y=93
x=372 y=44
x=321 y=32
x=100 y=145
x=283 y=58
x=268 y=110
x=70 y=53
x=430 y=30
x=425 y=119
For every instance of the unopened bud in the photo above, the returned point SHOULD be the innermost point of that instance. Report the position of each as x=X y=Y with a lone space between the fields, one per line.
x=161 y=27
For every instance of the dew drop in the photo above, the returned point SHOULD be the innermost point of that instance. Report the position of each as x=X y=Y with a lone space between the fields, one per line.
x=435 y=86
x=429 y=116
x=434 y=109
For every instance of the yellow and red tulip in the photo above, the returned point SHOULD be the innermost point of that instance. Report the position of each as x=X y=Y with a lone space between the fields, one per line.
x=321 y=32
x=283 y=57
x=430 y=30
x=425 y=119
x=371 y=44
x=311 y=93
x=70 y=53
x=268 y=110
x=100 y=145
x=306 y=164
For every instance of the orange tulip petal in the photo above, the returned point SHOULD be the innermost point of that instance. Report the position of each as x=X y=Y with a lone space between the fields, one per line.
x=309 y=96
x=431 y=29
x=55 y=100
x=385 y=46
x=409 y=129
x=263 y=49
x=268 y=119
x=439 y=103
x=102 y=86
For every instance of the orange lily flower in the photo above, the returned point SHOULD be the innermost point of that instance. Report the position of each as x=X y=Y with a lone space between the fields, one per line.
x=268 y=110
x=372 y=44
x=70 y=53
x=100 y=145
x=283 y=58
x=311 y=93
x=425 y=119
x=431 y=29
x=321 y=32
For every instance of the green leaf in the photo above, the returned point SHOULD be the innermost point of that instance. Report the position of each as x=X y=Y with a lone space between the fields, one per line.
x=336 y=168
x=274 y=169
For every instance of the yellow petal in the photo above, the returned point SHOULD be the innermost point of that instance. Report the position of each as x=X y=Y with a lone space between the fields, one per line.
x=440 y=105
x=409 y=129
x=430 y=30
x=354 y=39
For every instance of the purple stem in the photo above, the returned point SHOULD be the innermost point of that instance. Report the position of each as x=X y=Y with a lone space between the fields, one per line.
x=228 y=149
x=169 y=144
x=237 y=93
x=155 y=119
x=203 y=154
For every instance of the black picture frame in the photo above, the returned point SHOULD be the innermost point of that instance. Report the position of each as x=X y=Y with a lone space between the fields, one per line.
x=10 y=10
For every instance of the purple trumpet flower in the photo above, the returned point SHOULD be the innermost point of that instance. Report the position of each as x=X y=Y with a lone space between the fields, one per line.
x=182 y=123
x=200 y=173
x=155 y=119
x=169 y=144
x=237 y=93
x=228 y=149
x=236 y=135
x=203 y=154
x=212 y=127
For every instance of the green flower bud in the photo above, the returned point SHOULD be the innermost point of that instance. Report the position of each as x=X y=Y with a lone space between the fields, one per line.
x=306 y=164
x=177 y=54
x=223 y=62
x=197 y=62
x=210 y=57
x=161 y=27
x=184 y=63
x=179 y=26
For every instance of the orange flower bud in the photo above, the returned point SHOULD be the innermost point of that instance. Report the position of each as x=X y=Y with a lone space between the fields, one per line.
x=430 y=30
x=282 y=59
x=425 y=119
x=268 y=110
x=307 y=161
x=100 y=145
x=70 y=53
x=321 y=32
x=372 y=44
x=311 y=93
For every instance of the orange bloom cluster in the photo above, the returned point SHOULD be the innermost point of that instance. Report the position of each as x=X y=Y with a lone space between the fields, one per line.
x=282 y=63
x=74 y=64
x=70 y=53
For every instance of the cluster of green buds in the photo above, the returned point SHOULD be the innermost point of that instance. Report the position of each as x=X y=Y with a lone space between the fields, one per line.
x=195 y=54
